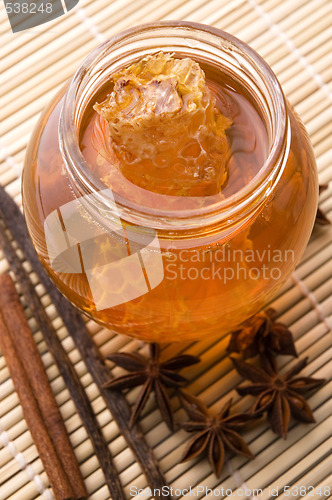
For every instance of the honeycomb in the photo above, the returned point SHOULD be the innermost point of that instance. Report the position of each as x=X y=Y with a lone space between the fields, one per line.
x=165 y=129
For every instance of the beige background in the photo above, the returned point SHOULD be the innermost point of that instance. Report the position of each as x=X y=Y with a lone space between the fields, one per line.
x=295 y=37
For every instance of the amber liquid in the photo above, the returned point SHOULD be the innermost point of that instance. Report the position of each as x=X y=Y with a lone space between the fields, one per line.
x=212 y=281
x=246 y=137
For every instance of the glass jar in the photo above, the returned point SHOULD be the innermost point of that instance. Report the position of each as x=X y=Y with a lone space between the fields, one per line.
x=152 y=269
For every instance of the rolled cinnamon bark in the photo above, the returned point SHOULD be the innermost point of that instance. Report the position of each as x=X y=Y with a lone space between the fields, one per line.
x=38 y=403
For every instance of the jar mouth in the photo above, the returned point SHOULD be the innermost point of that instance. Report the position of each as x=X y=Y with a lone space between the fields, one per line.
x=195 y=39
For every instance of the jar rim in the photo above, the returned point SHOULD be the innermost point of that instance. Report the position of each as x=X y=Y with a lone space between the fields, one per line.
x=251 y=194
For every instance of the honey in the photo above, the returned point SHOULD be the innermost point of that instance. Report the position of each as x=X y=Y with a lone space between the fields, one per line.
x=210 y=251
x=188 y=165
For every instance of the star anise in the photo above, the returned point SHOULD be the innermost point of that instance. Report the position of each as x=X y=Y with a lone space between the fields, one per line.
x=260 y=334
x=279 y=395
x=214 y=433
x=155 y=375
x=321 y=218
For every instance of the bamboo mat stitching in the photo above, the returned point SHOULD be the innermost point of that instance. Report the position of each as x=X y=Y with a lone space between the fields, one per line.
x=238 y=479
x=24 y=466
x=314 y=302
x=236 y=474
x=318 y=79
x=292 y=47
x=10 y=160
x=87 y=21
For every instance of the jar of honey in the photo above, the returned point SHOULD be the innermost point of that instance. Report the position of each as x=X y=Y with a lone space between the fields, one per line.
x=169 y=189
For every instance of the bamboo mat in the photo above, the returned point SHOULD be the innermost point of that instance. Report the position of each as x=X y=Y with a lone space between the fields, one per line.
x=295 y=37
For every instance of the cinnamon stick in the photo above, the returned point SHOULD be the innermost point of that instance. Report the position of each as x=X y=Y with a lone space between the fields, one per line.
x=89 y=352
x=77 y=392
x=13 y=316
x=46 y=438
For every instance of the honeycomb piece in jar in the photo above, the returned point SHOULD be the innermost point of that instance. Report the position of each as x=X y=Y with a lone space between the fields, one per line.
x=165 y=129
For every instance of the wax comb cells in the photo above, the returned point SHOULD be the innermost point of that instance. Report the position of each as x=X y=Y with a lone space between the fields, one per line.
x=165 y=127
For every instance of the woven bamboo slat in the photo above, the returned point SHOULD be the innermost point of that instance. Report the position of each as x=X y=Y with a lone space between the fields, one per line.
x=296 y=40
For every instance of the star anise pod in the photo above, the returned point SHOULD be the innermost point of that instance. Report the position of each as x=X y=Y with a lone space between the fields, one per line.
x=279 y=395
x=260 y=334
x=154 y=374
x=321 y=218
x=214 y=434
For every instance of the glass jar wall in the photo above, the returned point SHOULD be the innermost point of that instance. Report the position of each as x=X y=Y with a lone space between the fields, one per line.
x=167 y=268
